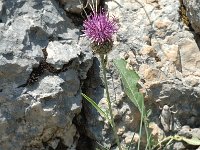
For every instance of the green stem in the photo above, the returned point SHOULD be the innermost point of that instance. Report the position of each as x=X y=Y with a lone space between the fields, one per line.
x=169 y=138
x=140 y=130
x=109 y=102
x=147 y=135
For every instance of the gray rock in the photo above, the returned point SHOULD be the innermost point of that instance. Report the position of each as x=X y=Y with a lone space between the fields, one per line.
x=77 y=6
x=39 y=115
x=60 y=53
x=179 y=146
x=42 y=111
x=73 y=6
x=193 y=13
x=1 y=9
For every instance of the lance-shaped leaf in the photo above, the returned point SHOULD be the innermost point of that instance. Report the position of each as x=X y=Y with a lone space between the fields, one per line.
x=192 y=141
x=129 y=79
x=95 y=105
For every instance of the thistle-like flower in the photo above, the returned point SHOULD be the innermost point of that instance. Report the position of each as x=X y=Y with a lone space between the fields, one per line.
x=99 y=28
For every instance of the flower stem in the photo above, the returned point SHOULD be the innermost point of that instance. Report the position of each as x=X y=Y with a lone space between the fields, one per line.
x=109 y=102
x=140 y=131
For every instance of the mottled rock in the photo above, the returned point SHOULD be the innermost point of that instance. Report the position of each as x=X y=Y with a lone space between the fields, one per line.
x=157 y=132
x=193 y=12
x=150 y=38
x=128 y=137
x=1 y=9
x=162 y=24
x=190 y=57
x=148 y=50
x=76 y=7
x=179 y=146
x=57 y=53
x=72 y=6
x=39 y=115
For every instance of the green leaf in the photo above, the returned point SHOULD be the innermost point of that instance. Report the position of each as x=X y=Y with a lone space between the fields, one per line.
x=94 y=104
x=192 y=141
x=130 y=79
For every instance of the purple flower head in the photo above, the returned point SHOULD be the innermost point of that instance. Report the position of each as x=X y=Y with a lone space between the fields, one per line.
x=99 y=28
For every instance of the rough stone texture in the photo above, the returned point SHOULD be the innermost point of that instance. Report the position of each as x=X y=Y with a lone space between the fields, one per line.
x=77 y=6
x=73 y=6
x=193 y=13
x=56 y=50
x=39 y=115
x=151 y=38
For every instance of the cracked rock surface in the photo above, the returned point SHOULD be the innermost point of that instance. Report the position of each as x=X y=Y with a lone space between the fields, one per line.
x=193 y=13
x=45 y=64
x=39 y=115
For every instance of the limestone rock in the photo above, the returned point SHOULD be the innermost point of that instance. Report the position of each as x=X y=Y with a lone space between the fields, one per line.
x=72 y=6
x=193 y=12
x=60 y=53
x=39 y=114
x=76 y=6
x=190 y=57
